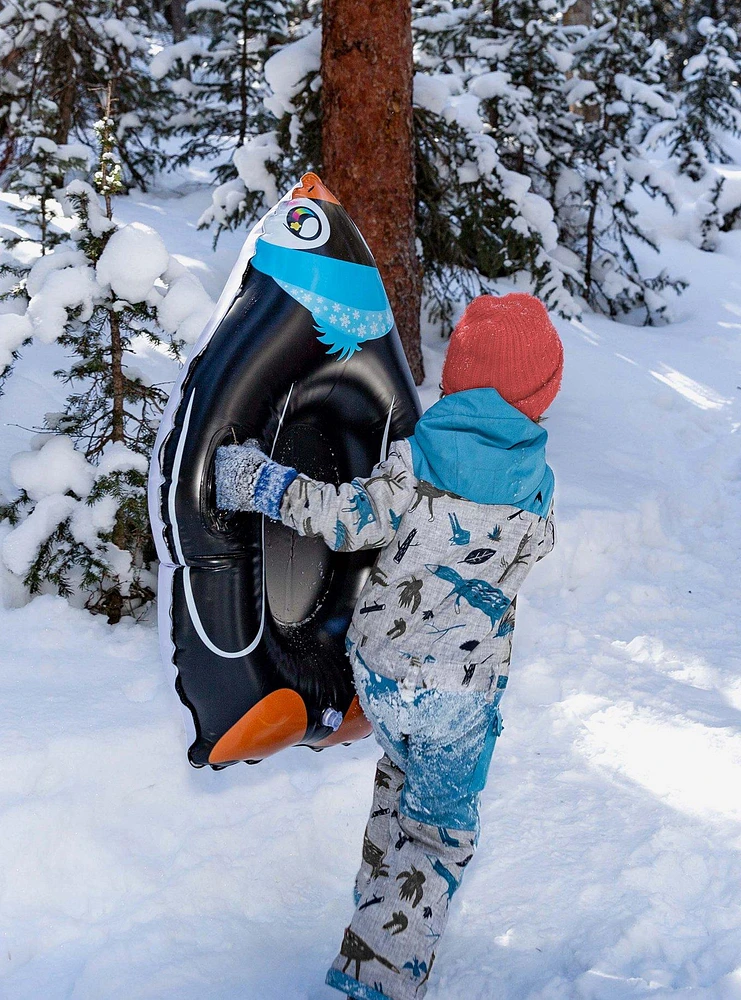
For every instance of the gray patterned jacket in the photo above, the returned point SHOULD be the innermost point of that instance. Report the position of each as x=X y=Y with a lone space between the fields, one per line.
x=437 y=609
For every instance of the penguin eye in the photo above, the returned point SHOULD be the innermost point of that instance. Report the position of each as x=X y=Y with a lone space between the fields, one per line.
x=303 y=223
x=299 y=225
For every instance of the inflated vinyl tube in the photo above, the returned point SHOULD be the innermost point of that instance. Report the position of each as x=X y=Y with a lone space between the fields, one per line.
x=301 y=353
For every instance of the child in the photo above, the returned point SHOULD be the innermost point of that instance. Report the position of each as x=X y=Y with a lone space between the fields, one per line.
x=467 y=500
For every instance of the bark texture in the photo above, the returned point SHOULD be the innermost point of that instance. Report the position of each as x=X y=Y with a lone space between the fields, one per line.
x=368 y=142
x=175 y=13
x=580 y=12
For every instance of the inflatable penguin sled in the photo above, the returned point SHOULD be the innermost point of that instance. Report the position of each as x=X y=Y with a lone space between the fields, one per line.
x=302 y=353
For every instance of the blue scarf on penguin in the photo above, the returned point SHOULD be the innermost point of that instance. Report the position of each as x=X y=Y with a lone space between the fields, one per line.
x=347 y=301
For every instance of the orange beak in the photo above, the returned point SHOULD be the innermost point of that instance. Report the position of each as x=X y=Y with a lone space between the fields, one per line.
x=311 y=187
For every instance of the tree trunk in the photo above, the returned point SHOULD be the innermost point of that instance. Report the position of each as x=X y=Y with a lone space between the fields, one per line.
x=580 y=12
x=66 y=95
x=243 y=82
x=175 y=12
x=117 y=380
x=368 y=143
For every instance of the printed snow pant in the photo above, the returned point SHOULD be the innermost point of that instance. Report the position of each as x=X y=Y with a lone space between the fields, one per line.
x=422 y=832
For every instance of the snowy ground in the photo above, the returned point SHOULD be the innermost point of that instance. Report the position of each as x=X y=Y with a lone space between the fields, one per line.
x=609 y=865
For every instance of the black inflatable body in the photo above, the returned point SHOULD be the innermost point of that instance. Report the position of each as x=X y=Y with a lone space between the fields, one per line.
x=302 y=354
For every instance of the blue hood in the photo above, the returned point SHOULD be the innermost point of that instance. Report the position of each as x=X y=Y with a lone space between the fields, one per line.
x=475 y=444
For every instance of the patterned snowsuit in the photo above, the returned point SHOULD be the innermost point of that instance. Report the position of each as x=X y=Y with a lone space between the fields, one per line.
x=461 y=511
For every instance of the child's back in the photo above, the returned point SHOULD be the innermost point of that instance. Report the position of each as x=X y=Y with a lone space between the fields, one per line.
x=462 y=510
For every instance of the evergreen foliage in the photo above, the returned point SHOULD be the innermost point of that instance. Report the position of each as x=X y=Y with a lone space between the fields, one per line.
x=710 y=107
x=14 y=328
x=217 y=76
x=535 y=144
x=90 y=532
x=619 y=82
x=290 y=143
x=539 y=144
x=60 y=58
x=568 y=111
x=38 y=180
x=485 y=124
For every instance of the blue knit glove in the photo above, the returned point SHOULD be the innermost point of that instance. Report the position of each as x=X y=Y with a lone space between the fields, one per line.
x=246 y=479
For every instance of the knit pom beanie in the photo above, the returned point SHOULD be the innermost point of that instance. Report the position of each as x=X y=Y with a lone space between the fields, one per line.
x=506 y=343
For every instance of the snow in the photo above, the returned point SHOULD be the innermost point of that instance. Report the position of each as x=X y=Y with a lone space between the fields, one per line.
x=14 y=329
x=185 y=308
x=21 y=545
x=635 y=90
x=88 y=519
x=463 y=109
x=69 y=289
x=495 y=84
x=203 y=6
x=608 y=866
x=166 y=59
x=696 y=66
x=578 y=90
x=119 y=458
x=44 y=145
x=135 y=265
x=539 y=214
x=56 y=467
x=286 y=71
x=432 y=92
x=97 y=220
x=441 y=95
x=705 y=26
x=251 y=161
x=51 y=262
x=133 y=259
x=119 y=32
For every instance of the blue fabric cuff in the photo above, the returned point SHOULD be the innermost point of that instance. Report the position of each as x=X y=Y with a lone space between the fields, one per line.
x=272 y=483
x=346 y=984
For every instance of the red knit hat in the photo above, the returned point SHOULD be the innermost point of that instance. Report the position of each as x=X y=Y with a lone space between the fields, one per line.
x=508 y=344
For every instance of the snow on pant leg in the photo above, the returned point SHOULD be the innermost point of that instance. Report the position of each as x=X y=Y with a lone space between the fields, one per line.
x=387 y=785
x=388 y=951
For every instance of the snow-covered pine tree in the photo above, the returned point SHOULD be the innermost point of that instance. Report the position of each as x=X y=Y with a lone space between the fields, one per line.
x=668 y=21
x=50 y=51
x=683 y=37
x=15 y=329
x=37 y=180
x=39 y=177
x=476 y=218
x=61 y=56
x=524 y=66
x=217 y=75
x=142 y=106
x=710 y=101
x=620 y=80
x=530 y=145
x=491 y=144
x=80 y=521
x=268 y=162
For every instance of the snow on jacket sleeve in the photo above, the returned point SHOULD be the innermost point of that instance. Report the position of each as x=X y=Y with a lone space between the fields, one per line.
x=362 y=514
